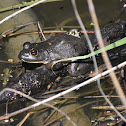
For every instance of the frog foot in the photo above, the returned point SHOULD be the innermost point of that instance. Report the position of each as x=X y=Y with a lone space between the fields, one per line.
x=74 y=32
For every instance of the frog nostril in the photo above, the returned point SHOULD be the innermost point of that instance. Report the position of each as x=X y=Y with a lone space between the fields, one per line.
x=23 y=55
x=33 y=52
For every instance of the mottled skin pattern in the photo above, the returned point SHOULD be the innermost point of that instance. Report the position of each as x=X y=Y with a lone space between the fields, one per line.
x=33 y=82
x=111 y=33
x=59 y=47
x=63 y=46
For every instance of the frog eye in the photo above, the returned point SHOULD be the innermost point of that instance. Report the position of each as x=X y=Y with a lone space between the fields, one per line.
x=33 y=52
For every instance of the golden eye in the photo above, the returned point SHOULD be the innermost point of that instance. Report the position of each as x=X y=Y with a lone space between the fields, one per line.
x=34 y=52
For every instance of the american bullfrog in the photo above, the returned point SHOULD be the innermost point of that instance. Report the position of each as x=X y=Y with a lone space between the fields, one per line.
x=33 y=82
x=60 y=46
x=63 y=46
x=112 y=32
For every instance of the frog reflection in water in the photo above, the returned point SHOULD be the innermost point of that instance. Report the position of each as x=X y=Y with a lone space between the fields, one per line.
x=60 y=46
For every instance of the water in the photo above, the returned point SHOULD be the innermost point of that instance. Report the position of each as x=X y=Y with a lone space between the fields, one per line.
x=54 y=14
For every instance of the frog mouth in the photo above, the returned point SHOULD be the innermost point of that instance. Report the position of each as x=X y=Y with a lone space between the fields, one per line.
x=44 y=62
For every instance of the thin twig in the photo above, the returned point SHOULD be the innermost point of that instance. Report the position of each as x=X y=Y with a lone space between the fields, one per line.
x=2 y=61
x=32 y=99
x=41 y=32
x=22 y=121
x=108 y=107
x=35 y=32
x=90 y=47
x=104 y=54
x=18 y=92
x=53 y=112
x=75 y=97
x=17 y=27
x=73 y=110
x=24 y=9
x=61 y=27
x=65 y=92
x=106 y=60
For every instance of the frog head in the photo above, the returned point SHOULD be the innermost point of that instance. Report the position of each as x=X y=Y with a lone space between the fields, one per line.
x=33 y=53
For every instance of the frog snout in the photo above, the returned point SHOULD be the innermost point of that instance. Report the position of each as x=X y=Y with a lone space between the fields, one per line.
x=23 y=55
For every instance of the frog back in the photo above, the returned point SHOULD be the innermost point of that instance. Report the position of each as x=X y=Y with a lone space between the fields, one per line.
x=64 y=46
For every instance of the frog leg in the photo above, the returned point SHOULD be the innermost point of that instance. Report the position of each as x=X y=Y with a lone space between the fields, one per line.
x=54 y=66
x=77 y=69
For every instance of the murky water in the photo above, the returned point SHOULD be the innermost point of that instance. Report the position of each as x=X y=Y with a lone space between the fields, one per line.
x=51 y=14
x=61 y=13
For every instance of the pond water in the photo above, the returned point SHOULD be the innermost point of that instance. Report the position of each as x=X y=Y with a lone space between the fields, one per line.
x=61 y=13
x=52 y=14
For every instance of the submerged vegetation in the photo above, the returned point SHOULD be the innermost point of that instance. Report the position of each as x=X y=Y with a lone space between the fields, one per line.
x=52 y=90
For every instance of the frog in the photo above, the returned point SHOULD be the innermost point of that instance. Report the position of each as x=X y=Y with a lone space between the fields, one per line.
x=111 y=33
x=32 y=82
x=60 y=46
